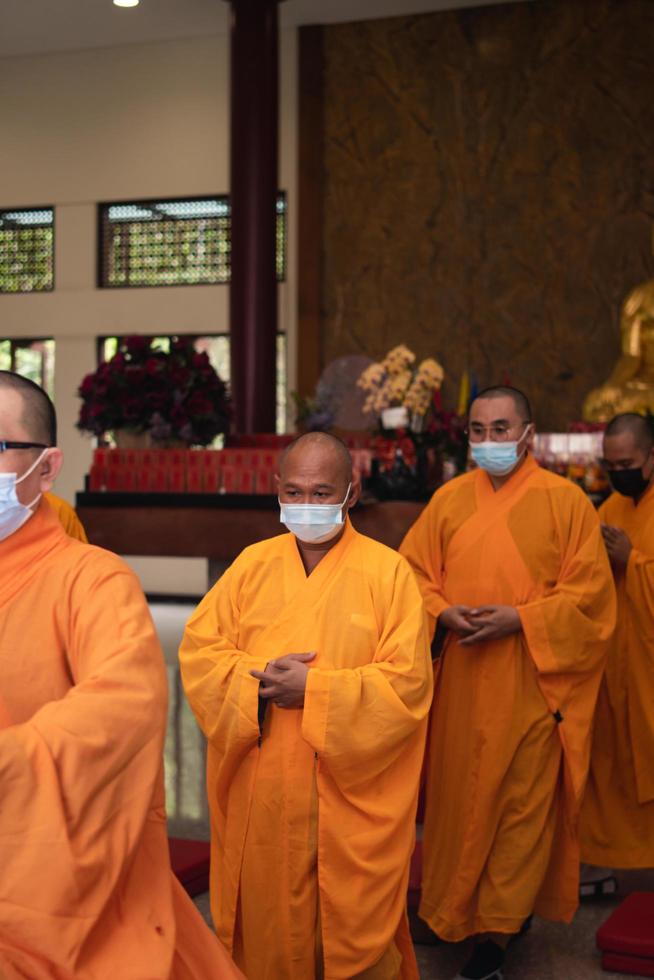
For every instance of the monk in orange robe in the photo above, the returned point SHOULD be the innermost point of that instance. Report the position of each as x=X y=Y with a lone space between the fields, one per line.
x=67 y=517
x=86 y=889
x=514 y=573
x=617 y=827
x=308 y=668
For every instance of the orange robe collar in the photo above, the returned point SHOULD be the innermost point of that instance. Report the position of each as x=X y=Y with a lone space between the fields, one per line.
x=22 y=553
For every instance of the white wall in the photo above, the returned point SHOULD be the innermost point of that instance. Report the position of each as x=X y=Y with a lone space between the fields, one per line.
x=113 y=124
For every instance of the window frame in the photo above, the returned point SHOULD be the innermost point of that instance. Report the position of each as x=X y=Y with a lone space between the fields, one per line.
x=103 y=206
x=17 y=343
x=51 y=288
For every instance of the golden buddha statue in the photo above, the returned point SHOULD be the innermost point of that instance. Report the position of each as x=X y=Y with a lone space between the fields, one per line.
x=630 y=387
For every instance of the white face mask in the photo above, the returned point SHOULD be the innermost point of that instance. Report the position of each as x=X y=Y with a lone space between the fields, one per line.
x=313 y=523
x=13 y=514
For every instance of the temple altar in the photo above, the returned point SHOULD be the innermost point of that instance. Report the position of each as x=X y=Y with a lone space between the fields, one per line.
x=216 y=527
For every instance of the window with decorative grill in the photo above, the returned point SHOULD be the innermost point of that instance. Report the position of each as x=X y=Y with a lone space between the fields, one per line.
x=27 y=250
x=34 y=359
x=173 y=243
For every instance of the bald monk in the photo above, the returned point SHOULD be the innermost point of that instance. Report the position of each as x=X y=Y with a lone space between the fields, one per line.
x=514 y=573
x=617 y=828
x=307 y=666
x=86 y=890
x=67 y=517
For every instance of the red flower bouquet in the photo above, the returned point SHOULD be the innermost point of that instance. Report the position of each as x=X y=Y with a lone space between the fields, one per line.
x=174 y=395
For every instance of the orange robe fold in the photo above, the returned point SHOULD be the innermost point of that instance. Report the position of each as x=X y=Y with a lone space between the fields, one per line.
x=313 y=809
x=67 y=517
x=511 y=721
x=86 y=890
x=617 y=827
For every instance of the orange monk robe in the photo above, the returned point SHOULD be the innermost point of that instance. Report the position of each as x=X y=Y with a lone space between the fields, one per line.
x=617 y=827
x=86 y=890
x=510 y=732
x=68 y=518
x=313 y=815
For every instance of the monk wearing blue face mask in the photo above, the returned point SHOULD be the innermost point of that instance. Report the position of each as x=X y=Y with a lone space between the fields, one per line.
x=308 y=668
x=514 y=573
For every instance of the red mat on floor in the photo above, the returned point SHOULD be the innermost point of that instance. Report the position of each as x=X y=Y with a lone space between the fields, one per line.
x=627 y=937
x=190 y=862
x=622 y=963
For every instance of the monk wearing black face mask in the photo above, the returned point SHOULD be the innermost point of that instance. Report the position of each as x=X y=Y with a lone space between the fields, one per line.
x=617 y=829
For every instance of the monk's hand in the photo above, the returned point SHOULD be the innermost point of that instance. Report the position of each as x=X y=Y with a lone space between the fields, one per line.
x=284 y=680
x=618 y=545
x=492 y=623
x=456 y=619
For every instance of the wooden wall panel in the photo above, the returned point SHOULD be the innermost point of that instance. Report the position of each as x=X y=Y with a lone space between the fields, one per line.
x=489 y=189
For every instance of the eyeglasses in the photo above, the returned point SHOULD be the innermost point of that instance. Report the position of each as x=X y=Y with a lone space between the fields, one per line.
x=6 y=444
x=496 y=433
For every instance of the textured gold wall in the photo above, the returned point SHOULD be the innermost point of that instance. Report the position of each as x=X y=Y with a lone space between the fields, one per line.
x=489 y=189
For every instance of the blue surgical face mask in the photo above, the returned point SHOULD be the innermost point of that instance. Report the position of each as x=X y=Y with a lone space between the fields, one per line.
x=313 y=523
x=13 y=514
x=497 y=458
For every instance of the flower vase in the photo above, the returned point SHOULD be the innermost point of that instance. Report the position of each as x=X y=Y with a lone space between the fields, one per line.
x=132 y=439
x=395 y=418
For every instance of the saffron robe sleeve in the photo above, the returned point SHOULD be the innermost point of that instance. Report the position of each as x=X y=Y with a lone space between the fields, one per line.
x=86 y=889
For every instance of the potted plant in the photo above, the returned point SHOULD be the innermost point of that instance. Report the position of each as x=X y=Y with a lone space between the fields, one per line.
x=160 y=397
x=398 y=393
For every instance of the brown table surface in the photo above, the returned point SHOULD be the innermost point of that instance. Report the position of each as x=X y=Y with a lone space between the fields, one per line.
x=171 y=528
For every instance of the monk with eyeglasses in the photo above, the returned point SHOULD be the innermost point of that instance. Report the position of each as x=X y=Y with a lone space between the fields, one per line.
x=86 y=889
x=514 y=573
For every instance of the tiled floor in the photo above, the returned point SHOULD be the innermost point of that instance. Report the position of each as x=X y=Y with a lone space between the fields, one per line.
x=547 y=952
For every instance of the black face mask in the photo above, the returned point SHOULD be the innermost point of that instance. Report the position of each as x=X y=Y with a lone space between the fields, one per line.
x=630 y=483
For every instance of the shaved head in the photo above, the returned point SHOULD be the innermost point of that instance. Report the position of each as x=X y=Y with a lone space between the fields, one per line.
x=319 y=445
x=38 y=416
x=638 y=426
x=520 y=400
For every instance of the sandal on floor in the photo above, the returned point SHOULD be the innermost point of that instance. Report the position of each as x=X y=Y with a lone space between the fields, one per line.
x=597 y=889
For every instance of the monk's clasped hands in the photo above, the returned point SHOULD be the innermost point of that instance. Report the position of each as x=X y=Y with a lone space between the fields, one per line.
x=618 y=545
x=481 y=624
x=284 y=680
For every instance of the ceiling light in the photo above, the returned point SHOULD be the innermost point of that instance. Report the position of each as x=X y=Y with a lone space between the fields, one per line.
x=126 y=3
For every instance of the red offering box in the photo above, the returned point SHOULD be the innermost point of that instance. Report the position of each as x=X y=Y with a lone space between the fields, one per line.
x=159 y=480
x=194 y=481
x=211 y=481
x=629 y=931
x=244 y=481
x=97 y=478
x=144 y=479
x=177 y=479
x=229 y=479
x=263 y=481
x=210 y=458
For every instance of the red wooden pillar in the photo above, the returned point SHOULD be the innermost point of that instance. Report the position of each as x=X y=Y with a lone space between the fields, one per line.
x=253 y=164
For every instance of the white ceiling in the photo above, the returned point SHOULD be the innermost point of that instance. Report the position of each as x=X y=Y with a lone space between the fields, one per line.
x=37 y=26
